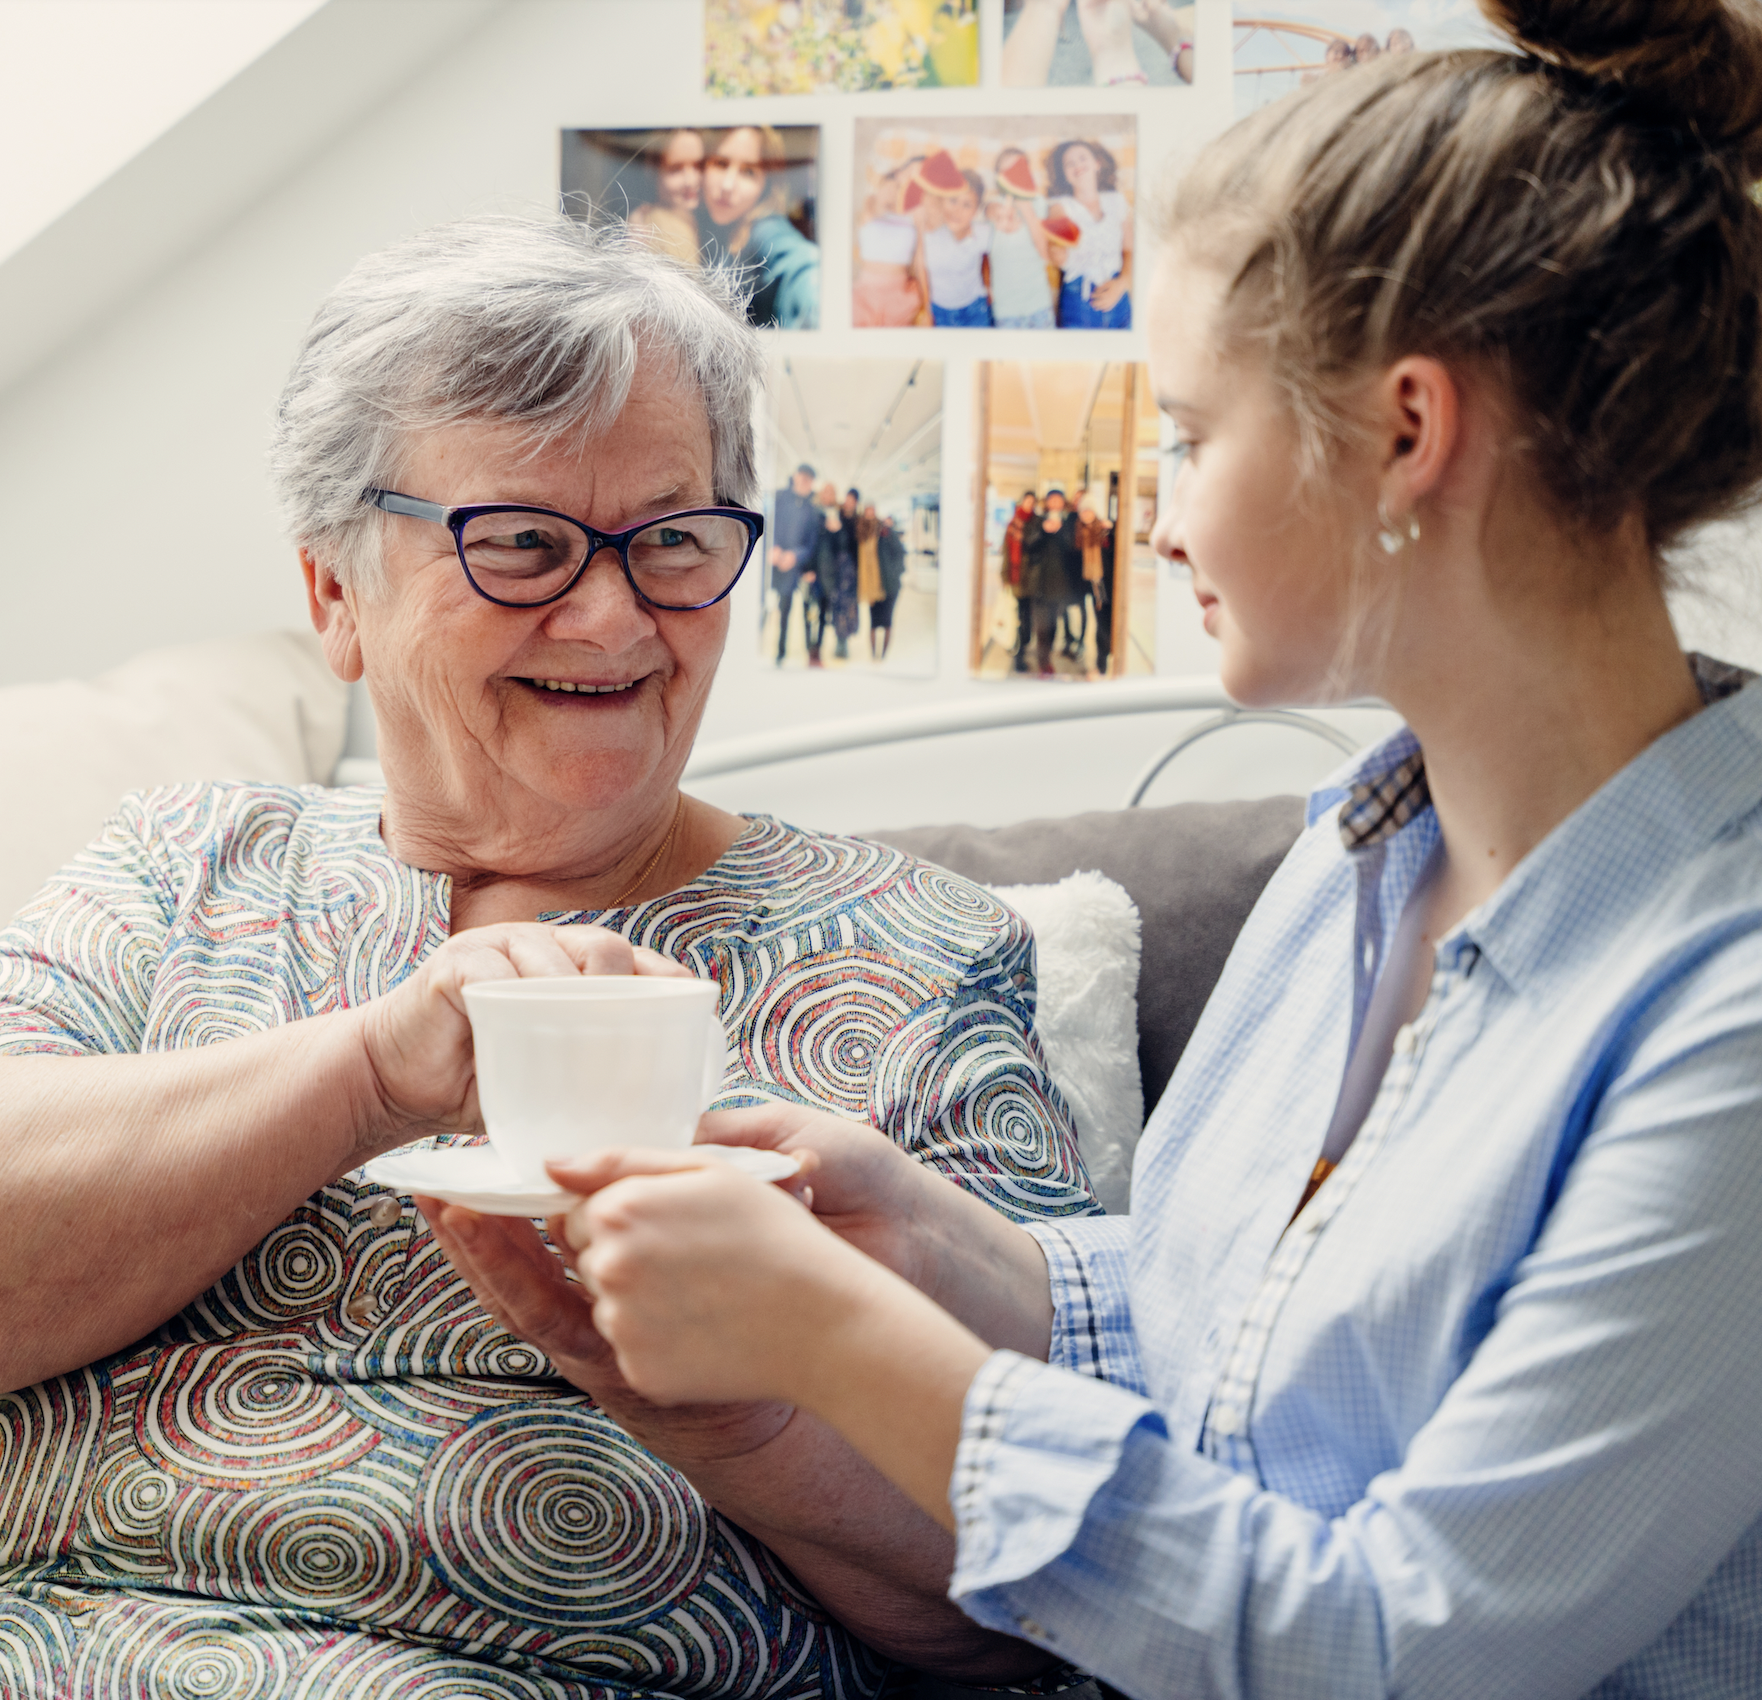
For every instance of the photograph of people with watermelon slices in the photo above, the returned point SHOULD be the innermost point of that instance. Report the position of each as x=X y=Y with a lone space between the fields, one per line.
x=1100 y=42
x=824 y=46
x=1009 y=223
x=853 y=515
x=741 y=196
x=1278 y=48
x=1065 y=579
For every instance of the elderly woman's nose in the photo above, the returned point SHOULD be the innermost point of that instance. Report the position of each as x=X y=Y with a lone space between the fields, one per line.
x=602 y=605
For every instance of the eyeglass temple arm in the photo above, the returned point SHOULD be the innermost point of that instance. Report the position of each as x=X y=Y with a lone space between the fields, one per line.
x=393 y=503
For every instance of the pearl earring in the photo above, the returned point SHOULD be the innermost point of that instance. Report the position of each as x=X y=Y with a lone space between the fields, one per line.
x=1392 y=538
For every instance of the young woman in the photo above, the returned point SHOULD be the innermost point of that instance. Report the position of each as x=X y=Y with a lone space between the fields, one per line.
x=669 y=221
x=885 y=290
x=1096 y=293
x=1429 y=1360
x=743 y=222
x=1021 y=296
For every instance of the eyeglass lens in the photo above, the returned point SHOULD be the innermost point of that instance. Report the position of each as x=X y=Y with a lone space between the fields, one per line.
x=680 y=561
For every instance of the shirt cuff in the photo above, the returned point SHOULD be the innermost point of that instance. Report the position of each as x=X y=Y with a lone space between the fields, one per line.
x=1086 y=1264
x=1037 y=1444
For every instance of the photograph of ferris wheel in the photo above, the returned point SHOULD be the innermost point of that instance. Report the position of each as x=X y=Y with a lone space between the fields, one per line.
x=1278 y=48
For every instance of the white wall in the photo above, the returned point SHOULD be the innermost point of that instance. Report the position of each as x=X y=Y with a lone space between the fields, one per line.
x=159 y=415
x=132 y=461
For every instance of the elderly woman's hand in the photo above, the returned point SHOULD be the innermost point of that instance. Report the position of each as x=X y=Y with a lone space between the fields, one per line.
x=418 y=1039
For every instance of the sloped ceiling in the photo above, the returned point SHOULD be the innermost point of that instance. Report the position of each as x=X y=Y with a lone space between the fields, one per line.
x=282 y=107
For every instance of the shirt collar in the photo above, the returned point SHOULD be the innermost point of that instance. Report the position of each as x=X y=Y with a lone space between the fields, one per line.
x=1669 y=801
x=1385 y=787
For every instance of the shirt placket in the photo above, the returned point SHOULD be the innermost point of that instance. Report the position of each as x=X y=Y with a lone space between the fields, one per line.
x=1227 y=1435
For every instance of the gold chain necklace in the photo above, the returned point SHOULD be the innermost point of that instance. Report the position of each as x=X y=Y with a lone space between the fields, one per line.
x=655 y=860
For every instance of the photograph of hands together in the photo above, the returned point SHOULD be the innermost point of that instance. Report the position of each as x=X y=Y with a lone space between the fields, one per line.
x=1102 y=42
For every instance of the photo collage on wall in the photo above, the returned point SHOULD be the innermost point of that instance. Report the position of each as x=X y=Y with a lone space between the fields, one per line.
x=996 y=222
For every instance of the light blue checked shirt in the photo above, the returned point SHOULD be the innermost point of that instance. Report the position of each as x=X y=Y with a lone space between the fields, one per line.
x=1487 y=1420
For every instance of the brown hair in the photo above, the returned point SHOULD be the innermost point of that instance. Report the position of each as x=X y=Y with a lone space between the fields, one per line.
x=1059 y=184
x=1576 y=221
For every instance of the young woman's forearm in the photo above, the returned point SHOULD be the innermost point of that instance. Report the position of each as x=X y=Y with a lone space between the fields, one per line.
x=131 y=1184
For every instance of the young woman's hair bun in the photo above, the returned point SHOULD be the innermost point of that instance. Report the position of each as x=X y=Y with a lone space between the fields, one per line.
x=1699 y=61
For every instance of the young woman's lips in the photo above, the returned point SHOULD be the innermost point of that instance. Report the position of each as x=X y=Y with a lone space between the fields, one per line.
x=1208 y=610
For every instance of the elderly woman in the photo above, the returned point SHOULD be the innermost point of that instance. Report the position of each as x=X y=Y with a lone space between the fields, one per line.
x=260 y=1439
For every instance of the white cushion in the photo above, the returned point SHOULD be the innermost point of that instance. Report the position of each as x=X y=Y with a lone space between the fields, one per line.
x=265 y=707
x=1086 y=935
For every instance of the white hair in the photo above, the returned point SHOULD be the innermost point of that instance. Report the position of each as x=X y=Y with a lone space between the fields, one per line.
x=536 y=321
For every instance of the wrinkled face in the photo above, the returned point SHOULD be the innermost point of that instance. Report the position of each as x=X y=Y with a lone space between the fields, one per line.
x=681 y=171
x=1082 y=169
x=734 y=177
x=464 y=689
x=1272 y=575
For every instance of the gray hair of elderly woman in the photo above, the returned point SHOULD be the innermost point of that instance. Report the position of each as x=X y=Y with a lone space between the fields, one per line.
x=535 y=322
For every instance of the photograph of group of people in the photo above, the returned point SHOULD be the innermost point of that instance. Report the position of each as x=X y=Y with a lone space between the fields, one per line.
x=1279 y=47
x=1066 y=581
x=853 y=531
x=1014 y=223
x=1103 y=43
x=740 y=196
x=761 y=47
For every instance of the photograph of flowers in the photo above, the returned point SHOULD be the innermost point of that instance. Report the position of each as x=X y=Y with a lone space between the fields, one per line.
x=759 y=47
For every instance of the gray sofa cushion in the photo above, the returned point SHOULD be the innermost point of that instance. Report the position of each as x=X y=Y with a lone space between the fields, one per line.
x=1194 y=870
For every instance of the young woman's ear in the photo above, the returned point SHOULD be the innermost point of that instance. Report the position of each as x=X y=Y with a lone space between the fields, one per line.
x=332 y=606
x=1417 y=421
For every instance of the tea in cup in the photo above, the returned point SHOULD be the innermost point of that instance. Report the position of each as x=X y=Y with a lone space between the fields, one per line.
x=586 y=1063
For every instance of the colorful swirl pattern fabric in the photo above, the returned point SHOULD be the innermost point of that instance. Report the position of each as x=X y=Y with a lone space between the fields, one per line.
x=332 y=1472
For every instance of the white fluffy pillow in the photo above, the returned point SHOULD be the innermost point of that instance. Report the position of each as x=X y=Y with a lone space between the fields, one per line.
x=264 y=707
x=1086 y=934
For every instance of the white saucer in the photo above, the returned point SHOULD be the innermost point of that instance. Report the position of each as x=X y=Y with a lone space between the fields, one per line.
x=475 y=1176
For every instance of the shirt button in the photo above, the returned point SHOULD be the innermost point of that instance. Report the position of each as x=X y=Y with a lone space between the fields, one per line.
x=359 y=1309
x=1227 y=1421
x=1020 y=980
x=385 y=1211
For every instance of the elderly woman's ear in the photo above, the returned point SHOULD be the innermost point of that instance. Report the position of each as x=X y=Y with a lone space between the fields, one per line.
x=332 y=607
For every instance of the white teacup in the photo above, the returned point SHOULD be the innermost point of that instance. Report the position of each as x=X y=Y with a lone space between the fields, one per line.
x=584 y=1063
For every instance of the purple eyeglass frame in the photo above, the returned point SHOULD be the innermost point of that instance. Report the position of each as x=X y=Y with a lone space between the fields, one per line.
x=456 y=519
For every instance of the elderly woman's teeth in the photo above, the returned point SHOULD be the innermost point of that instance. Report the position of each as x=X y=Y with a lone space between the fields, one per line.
x=583 y=690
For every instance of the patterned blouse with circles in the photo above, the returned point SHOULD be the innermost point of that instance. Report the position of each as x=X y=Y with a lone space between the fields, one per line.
x=332 y=1473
